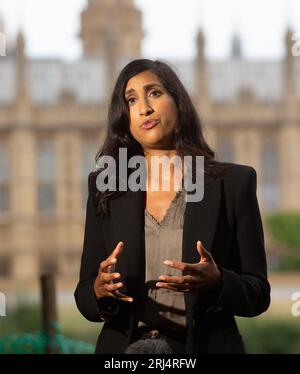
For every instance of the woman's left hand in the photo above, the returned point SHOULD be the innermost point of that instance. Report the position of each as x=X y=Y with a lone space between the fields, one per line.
x=202 y=275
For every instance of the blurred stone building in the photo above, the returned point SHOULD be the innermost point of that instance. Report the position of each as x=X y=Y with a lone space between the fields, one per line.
x=53 y=118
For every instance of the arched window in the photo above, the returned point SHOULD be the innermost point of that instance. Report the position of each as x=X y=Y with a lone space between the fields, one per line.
x=225 y=148
x=2 y=44
x=270 y=173
x=4 y=177
x=46 y=176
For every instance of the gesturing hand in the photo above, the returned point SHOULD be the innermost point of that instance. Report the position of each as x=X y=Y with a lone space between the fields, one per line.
x=202 y=275
x=103 y=285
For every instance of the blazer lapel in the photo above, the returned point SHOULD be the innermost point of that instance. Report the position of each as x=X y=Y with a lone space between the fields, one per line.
x=200 y=221
x=200 y=224
x=127 y=215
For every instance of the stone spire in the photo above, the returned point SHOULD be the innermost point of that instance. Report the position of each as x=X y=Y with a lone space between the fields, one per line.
x=2 y=38
x=288 y=42
x=289 y=65
x=200 y=40
x=2 y=26
x=236 y=47
x=21 y=65
x=22 y=98
x=202 y=91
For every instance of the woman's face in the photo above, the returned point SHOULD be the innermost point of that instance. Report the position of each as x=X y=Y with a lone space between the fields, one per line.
x=148 y=100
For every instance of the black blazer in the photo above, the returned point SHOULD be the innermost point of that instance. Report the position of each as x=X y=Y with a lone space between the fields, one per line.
x=228 y=223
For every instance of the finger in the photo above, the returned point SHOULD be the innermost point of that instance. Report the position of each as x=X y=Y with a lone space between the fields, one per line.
x=182 y=266
x=123 y=297
x=104 y=265
x=111 y=269
x=113 y=286
x=111 y=259
x=186 y=279
x=107 y=277
x=118 y=250
x=174 y=287
x=205 y=255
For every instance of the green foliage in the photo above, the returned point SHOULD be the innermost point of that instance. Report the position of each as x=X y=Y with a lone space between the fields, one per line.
x=20 y=332
x=285 y=229
x=270 y=335
x=24 y=318
x=288 y=262
x=37 y=343
x=89 y=335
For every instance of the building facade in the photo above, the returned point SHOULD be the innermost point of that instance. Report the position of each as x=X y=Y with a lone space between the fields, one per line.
x=53 y=121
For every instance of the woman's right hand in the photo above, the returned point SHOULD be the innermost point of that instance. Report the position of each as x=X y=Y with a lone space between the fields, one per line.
x=104 y=285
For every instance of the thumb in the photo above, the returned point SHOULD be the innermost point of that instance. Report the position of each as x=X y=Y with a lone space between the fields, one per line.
x=205 y=255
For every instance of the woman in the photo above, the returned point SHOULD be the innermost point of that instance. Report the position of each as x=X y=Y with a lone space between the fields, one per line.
x=155 y=265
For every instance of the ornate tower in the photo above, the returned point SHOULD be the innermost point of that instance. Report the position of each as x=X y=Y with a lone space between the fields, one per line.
x=290 y=131
x=22 y=99
x=202 y=97
x=289 y=63
x=202 y=91
x=111 y=27
x=2 y=38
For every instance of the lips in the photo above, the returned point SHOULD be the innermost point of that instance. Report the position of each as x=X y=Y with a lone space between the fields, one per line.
x=150 y=124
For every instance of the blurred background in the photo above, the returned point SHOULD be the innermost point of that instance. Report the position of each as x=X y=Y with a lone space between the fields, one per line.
x=239 y=60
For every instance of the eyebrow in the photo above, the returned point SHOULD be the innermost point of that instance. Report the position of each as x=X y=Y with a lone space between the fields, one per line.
x=146 y=87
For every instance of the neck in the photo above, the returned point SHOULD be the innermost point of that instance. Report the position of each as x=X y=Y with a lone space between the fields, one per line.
x=174 y=179
x=159 y=152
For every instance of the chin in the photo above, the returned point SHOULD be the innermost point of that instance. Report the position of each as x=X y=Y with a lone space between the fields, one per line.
x=152 y=140
x=156 y=145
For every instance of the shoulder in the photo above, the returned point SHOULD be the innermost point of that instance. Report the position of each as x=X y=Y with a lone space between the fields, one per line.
x=238 y=172
x=92 y=181
x=240 y=185
x=239 y=180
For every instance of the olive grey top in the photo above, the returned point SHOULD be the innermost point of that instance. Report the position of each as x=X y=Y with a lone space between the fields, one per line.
x=163 y=241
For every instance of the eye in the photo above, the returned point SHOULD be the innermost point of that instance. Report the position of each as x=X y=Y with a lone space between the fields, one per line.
x=155 y=93
x=130 y=101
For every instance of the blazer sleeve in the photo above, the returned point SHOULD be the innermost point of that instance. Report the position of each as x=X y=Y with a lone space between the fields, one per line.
x=246 y=293
x=93 y=253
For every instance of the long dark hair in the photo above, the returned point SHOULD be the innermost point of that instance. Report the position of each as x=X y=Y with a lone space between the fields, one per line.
x=188 y=137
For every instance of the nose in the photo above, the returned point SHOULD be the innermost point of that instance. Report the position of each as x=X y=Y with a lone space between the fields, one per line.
x=145 y=108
